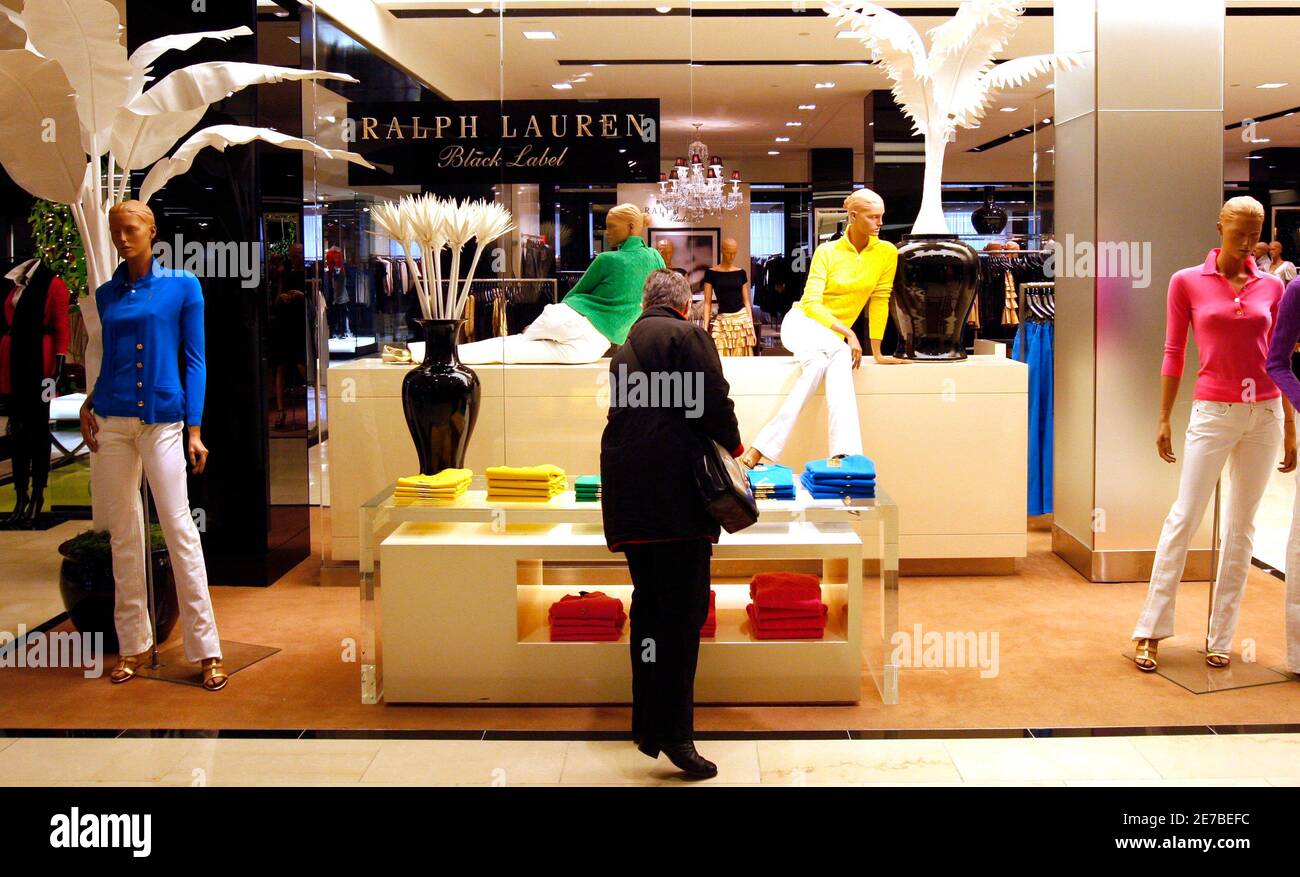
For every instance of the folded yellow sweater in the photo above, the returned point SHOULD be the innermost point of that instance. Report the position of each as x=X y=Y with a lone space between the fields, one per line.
x=515 y=491
x=544 y=472
x=445 y=478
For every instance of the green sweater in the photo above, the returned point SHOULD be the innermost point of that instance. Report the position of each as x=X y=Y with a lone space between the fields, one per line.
x=609 y=293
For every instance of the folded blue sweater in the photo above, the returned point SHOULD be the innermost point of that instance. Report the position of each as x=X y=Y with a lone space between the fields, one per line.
x=861 y=489
x=854 y=466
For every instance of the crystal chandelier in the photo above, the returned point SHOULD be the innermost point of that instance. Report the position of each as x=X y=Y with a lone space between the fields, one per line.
x=697 y=187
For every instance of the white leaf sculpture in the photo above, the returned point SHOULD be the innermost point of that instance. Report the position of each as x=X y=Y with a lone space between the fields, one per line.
x=201 y=84
x=41 y=143
x=138 y=141
x=219 y=137
x=144 y=55
x=950 y=86
x=82 y=35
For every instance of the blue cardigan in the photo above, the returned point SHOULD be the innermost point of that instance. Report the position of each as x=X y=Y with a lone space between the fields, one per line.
x=146 y=326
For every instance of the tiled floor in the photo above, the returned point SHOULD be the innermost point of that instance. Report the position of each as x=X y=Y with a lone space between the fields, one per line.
x=29 y=575
x=1201 y=759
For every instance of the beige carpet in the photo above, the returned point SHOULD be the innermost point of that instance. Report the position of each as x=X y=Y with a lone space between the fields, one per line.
x=1060 y=641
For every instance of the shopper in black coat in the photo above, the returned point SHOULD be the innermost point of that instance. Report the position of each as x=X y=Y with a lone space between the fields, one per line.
x=667 y=394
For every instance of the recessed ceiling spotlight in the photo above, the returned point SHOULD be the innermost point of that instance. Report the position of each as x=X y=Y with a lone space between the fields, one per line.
x=663 y=10
x=599 y=65
x=562 y=86
x=1007 y=109
x=783 y=140
x=1051 y=86
x=774 y=152
x=794 y=124
x=539 y=34
x=475 y=10
x=807 y=106
x=1261 y=140
x=1254 y=157
x=1047 y=121
x=825 y=85
x=1272 y=85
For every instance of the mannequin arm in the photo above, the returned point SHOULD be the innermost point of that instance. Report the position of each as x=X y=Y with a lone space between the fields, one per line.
x=1168 y=393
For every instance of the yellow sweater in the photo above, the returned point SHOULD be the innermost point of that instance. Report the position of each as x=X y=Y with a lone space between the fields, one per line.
x=841 y=280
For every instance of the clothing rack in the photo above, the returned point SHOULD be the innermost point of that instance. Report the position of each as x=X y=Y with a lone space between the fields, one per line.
x=505 y=305
x=1037 y=301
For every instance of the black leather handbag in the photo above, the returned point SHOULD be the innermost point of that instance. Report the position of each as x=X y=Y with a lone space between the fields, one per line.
x=723 y=482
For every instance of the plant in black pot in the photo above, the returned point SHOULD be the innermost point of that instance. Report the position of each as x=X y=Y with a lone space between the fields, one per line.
x=88 y=592
x=941 y=88
x=440 y=396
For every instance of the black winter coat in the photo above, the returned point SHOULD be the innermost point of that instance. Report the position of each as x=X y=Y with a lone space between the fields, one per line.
x=651 y=440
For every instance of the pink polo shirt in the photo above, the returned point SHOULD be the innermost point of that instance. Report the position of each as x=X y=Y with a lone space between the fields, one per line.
x=1233 y=346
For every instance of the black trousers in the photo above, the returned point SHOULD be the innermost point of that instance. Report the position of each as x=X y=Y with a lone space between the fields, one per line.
x=29 y=436
x=670 y=603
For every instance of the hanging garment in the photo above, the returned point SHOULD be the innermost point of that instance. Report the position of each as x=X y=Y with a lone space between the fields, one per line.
x=1034 y=346
x=1010 y=306
x=733 y=334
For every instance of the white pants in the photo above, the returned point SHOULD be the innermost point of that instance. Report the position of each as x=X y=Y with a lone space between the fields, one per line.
x=821 y=353
x=560 y=335
x=125 y=443
x=1293 y=587
x=1247 y=436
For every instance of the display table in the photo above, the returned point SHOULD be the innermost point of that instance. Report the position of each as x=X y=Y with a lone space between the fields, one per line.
x=950 y=439
x=459 y=614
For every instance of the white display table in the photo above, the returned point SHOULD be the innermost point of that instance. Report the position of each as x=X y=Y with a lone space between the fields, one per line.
x=950 y=439
x=461 y=613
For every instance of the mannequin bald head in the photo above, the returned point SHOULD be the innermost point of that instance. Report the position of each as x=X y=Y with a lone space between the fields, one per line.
x=866 y=212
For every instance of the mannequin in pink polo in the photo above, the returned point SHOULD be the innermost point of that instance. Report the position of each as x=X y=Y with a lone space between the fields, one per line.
x=1238 y=419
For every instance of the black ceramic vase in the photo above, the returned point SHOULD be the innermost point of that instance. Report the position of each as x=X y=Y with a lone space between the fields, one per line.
x=90 y=595
x=440 y=398
x=938 y=276
x=989 y=219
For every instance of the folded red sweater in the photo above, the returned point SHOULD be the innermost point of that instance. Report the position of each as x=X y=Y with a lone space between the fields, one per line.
x=585 y=607
x=585 y=629
x=803 y=623
x=781 y=589
x=811 y=633
x=610 y=636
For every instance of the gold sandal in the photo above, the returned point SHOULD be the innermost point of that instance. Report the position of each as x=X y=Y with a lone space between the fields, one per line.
x=1145 y=654
x=127 y=667
x=214 y=674
x=1218 y=660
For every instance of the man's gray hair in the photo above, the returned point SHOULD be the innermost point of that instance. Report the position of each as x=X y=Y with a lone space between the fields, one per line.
x=666 y=288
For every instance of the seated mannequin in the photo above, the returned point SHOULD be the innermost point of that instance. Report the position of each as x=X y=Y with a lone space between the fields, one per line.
x=597 y=312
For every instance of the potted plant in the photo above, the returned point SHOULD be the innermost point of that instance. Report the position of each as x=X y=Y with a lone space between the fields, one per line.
x=941 y=89
x=87 y=588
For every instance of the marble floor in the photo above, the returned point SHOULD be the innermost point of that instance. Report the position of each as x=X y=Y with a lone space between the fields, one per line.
x=1176 y=760
x=29 y=575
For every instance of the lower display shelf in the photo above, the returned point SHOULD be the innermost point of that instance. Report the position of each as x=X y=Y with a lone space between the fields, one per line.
x=734 y=626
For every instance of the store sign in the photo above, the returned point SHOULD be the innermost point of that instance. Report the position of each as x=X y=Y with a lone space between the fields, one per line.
x=552 y=141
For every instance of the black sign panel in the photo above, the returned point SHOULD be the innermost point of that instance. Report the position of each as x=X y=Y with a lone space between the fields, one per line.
x=550 y=141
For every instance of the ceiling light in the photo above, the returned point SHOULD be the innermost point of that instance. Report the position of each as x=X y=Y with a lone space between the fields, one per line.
x=1047 y=121
x=1261 y=140
x=1008 y=109
x=296 y=39
x=539 y=34
x=1051 y=86
x=663 y=10
x=846 y=35
x=825 y=85
x=475 y=10
x=794 y=124
x=1272 y=85
x=774 y=152
x=783 y=140
x=599 y=65
x=1254 y=157
x=807 y=106
x=562 y=86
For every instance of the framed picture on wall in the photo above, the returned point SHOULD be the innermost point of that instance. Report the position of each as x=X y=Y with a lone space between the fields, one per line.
x=694 y=251
x=1286 y=228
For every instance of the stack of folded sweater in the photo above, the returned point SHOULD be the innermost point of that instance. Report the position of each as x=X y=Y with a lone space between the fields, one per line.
x=516 y=483
x=447 y=484
x=710 y=627
x=850 y=476
x=786 y=605
x=586 y=488
x=772 y=482
x=587 y=616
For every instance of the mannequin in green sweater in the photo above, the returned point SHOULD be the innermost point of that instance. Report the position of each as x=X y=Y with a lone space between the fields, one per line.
x=597 y=312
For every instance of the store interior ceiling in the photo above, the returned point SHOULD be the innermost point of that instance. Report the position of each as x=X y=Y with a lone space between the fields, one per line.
x=743 y=68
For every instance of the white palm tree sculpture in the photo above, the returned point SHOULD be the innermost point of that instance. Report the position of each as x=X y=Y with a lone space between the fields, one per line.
x=75 y=118
x=948 y=87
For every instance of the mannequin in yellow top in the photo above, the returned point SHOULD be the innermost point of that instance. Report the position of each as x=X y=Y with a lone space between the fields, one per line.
x=847 y=274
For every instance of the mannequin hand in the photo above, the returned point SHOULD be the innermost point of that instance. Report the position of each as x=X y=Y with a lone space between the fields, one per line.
x=1288 y=449
x=891 y=360
x=89 y=427
x=1164 y=444
x=855 y=348
x=196 y=451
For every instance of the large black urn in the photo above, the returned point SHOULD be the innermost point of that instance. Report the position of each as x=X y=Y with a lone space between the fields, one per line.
x=89 y=594
x=938 y=275
x=990 y=218
x=440 y=398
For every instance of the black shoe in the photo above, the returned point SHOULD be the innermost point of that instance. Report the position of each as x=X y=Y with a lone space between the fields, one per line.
x=646 y=748
x=14 y=518
x=688 y=761
x=34 y=507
